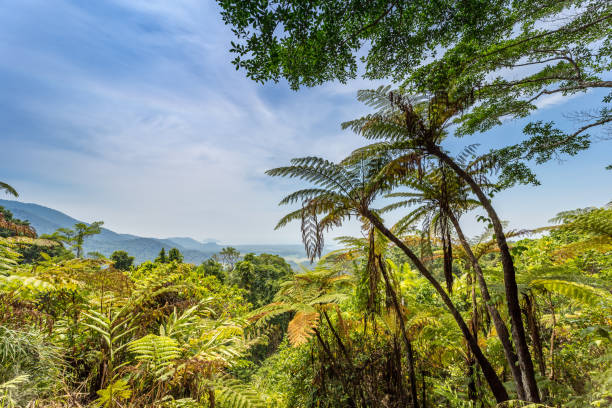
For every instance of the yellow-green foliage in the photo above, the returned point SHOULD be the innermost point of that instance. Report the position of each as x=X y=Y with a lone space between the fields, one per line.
x=136 y=337
x=157 y=352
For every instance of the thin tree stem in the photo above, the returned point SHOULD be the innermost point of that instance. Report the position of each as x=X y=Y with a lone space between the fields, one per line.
x=500 y=326
x=400 y=318
x=511 y=289
x=497 y=388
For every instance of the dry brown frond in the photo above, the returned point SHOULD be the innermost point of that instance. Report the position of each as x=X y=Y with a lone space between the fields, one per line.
x=301 y=327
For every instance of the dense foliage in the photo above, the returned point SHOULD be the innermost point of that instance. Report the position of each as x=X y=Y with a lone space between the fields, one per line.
x=362 y=328
x=410 y=314
x=461 y=67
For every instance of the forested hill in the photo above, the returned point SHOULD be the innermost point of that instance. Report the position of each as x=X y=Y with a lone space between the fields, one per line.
x=47 y=220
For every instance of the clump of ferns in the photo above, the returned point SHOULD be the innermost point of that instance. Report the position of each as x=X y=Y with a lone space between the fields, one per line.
x=157 y=295
x=28 y=356
x=191 y=350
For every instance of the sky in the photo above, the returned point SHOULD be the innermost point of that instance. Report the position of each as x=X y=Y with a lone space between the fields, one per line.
x=130 y=112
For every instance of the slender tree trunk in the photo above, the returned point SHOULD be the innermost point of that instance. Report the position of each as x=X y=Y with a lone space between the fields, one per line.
x=552 y=339
x=338 y=340
x=344 y=350
x=400 y=318
x=472 y=371
x=471 y=374
x=534 y=331
x=396 y=375
x=512 y=299
x=497 y=388
x=500 y=326
x=347 y=388
x=423 y=390
x=536 y=341
x=211 y=398
x=447 y=250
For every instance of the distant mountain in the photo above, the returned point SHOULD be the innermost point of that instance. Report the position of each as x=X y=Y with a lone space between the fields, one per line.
x=47 y=220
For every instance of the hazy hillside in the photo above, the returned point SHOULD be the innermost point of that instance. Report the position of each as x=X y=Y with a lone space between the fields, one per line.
x=47 y=220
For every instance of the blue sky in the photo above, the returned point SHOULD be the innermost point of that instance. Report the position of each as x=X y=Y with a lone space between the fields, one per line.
x=129 y=111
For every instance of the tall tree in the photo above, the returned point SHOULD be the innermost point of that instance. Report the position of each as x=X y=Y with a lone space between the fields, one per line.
x=507 y=54
x=161 y=257
x=76 y=236
x=441 y=195
x=175 y=255
x=411 y=129
x=81 y=231
x=229 y=256
x=453 y=50
x=344 y=191
x=122 y=260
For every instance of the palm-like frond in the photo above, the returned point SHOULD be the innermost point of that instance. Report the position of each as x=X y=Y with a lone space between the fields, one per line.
x=157 y=352
x=180 y=326
x=232 y=393
x=597 y=221
x=302 y=326
x=580 y=292
x=316 y=170
x=306 y=294
x=8 y=189
x=340 y=192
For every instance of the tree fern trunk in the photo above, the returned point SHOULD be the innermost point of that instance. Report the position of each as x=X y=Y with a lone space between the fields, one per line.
x=447 y=250
x=338 y=374
x=408 y=344
x=500 y=326
x=344 y=350
x=511 y=289
x=534 y=330
x=497 y=388
x=552 y=338
x=211 y=398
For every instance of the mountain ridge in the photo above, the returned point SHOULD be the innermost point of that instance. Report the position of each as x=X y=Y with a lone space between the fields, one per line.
x=46 y=220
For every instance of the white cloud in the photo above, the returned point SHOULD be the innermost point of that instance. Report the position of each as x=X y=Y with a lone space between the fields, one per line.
x=134 y=115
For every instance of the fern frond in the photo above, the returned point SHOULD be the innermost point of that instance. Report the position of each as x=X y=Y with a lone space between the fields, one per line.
x=14 y=383
x=232 y=393
x=580 y=292
x=8 y=189
x=158 y=352
x=301 y=327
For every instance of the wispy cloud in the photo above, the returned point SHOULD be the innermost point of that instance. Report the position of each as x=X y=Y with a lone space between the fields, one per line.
x=130 y=111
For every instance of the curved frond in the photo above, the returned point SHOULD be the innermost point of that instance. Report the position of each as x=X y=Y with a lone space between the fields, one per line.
x=301 y=327
x=574 y=290
x=8 y=189
x=232 y=393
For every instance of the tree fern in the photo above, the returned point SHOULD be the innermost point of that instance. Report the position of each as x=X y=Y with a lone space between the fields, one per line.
x=8 y=189
x=306 y=294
